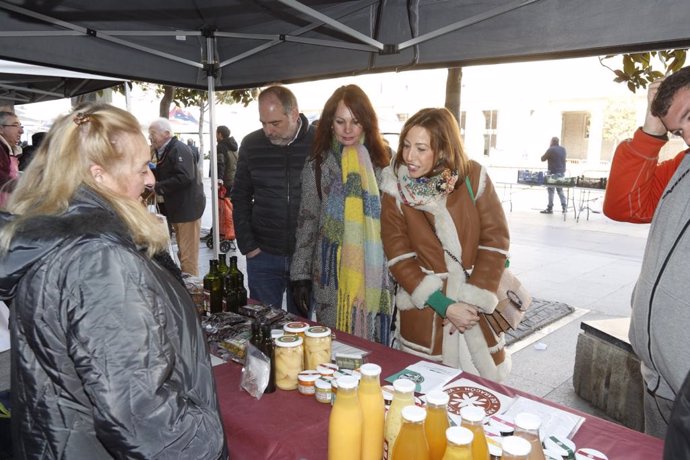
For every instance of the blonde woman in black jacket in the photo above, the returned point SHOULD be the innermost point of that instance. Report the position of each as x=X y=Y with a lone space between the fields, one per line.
x=108 y=357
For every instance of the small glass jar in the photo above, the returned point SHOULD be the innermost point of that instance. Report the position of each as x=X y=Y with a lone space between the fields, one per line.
x=289 y=355
x=296 y=328
x=317 y=346
x=327 y=369
x=324 y=390
x=306 y=381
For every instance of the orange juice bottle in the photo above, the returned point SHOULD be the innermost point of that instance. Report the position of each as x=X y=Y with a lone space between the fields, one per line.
x=515 y=448
x=436 y=422
x=459 y=443
x=411 y=441
x=472 y=419
x=402 y=396
x=373 y=412
x=345 y=422
x=527 y=427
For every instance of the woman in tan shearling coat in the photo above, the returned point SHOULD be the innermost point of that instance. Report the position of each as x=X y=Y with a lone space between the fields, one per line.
x=441 y=221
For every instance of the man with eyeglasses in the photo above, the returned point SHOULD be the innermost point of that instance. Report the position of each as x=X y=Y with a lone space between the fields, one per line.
x=10 y=134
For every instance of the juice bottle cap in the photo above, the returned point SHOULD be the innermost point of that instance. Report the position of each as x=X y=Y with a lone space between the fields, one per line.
x=414 y=413
x=437 y=398
x=318 y=332
x=288 y=341
x=459 y=435
x=515 y=445
x=370 y=370
x=472 y=413
x=527 y=421
x=404 y=385
x=347 y=382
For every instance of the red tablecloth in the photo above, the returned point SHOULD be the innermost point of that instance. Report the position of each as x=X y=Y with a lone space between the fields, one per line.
x=290 y=426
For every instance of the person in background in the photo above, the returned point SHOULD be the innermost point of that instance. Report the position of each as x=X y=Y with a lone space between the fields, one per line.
x=179 y=183
x=339 y=256
x=108 y=356
x=194 y=149
x=266 y=195
x=447 y=240
x=11 y=131
x=29 y=151
x=227 y=148
x=555 y=158
x=641 y=189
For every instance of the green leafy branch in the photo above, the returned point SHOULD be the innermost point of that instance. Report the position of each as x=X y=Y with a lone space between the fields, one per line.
x=637 y=69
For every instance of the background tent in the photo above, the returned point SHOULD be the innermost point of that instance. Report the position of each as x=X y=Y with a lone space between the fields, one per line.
x=25 y=83
x=224 y=44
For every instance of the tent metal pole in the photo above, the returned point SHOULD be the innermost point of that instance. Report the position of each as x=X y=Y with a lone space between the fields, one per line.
x=339 y=26
x=211 y=77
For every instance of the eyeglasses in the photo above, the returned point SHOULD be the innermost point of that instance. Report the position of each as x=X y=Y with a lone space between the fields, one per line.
x=16 y=125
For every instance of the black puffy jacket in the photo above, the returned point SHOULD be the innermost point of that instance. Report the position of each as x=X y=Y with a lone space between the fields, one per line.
x=108 y=357
x=267 y=190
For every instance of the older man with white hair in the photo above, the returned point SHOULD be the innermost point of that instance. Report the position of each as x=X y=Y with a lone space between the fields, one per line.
x=11 y=131
x=178 y=182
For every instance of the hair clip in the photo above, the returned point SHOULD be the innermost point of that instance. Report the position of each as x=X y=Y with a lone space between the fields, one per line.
x=81 y=118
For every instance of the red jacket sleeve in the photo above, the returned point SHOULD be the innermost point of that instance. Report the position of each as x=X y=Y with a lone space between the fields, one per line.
x=637 y=179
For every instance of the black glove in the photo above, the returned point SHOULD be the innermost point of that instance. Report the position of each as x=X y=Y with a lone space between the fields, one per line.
x=301 y=295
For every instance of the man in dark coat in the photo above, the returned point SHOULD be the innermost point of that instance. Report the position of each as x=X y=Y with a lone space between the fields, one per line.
x=178 y=182
x=266 y=195
x=227 y=149
x=555 y=158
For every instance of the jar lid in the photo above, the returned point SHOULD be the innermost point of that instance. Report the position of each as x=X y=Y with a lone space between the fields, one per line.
x=327 y=368
x=296 y=326
x=308 y=376
x=370 y=370
x=437 y=398
x=275 y=333
x=414 y=413
x=472 y=413
x=586 y=454
x=317 y=331
x=404 y=385
x=288 y=341
x=347 y=382
x=515 y=445
x=459 y=435
x=560 y=444
x=323 y=384
x=527 y=421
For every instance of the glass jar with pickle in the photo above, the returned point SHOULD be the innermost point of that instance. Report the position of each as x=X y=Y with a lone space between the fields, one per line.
x=317 y=346
x=289 y=354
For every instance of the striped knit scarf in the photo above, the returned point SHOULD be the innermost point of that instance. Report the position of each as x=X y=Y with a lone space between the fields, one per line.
x=355 y=251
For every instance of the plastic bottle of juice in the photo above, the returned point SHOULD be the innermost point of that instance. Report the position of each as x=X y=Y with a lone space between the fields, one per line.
x=345 y=422
x=373 y=411
x=527 y=427
x=515 y=448
x=411 y=441
x=459 y=443
x=472 y=418
x=436 y=422
x=402 y=396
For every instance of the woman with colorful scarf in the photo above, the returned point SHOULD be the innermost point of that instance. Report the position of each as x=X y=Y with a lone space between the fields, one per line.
x=446 y=239
x=338 y=266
